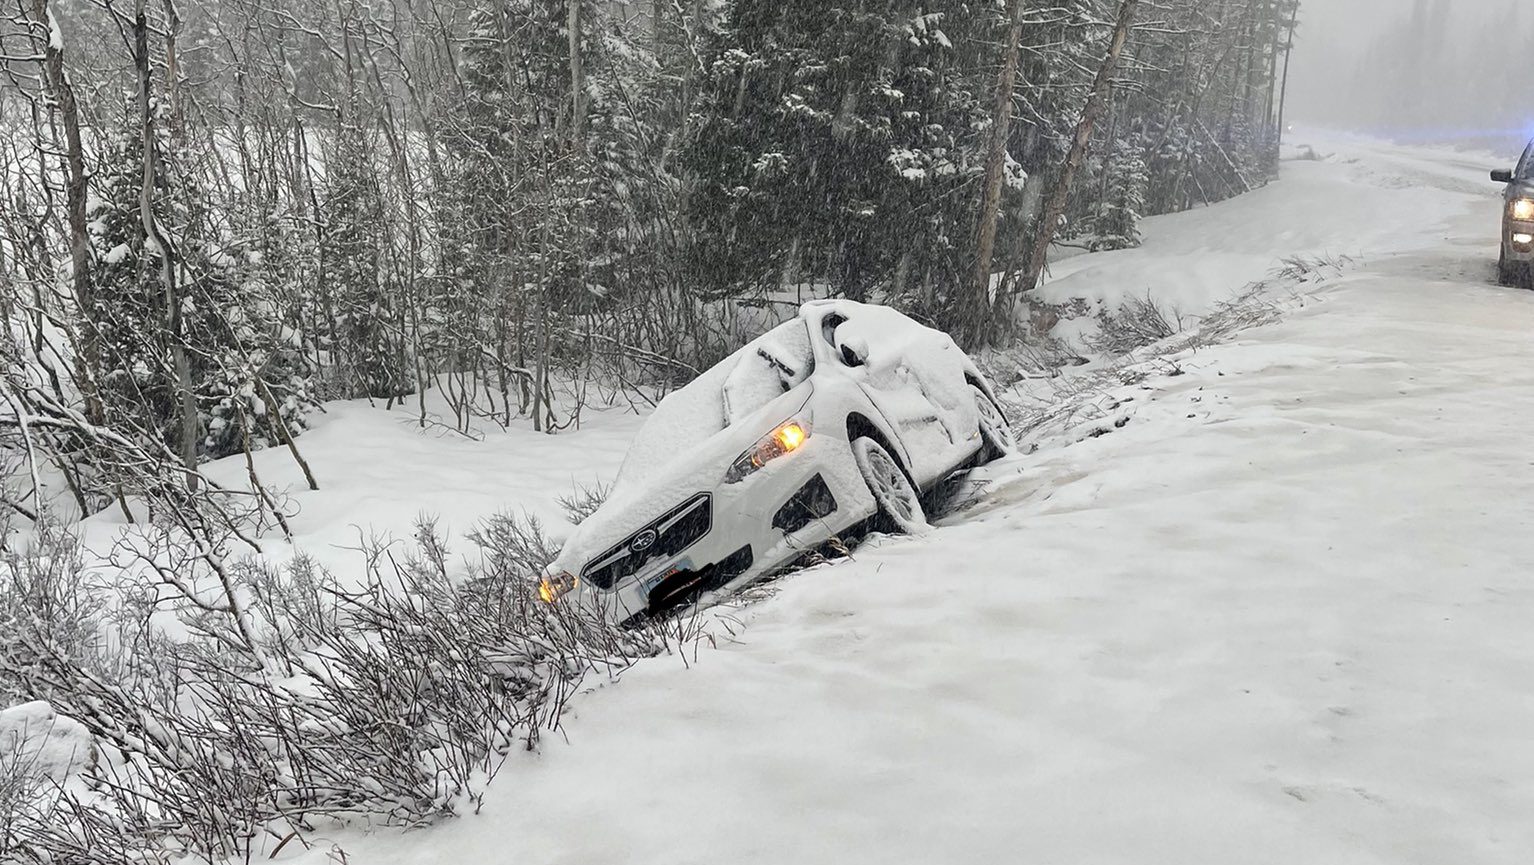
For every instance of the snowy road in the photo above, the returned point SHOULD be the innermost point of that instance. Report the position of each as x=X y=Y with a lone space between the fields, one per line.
x=1281 y=616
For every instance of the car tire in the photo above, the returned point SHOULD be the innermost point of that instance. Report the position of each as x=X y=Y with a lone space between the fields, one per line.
x=996 y=436
x=895 y=496
x=1505 y=274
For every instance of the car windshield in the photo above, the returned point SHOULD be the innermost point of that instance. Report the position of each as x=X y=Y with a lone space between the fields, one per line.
x=767 y=369
x=1525 y=169
x=732 y=390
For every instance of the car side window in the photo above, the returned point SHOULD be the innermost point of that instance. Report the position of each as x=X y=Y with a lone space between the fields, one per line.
x=1526 y=163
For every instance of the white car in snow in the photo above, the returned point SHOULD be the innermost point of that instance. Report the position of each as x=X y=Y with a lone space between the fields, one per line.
x=844 y=415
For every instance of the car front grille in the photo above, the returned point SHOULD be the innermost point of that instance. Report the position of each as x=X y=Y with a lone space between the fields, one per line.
x=675 y=531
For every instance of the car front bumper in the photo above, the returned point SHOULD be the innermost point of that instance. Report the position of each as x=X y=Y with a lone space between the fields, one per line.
x=1517 y=241
x=743 y=544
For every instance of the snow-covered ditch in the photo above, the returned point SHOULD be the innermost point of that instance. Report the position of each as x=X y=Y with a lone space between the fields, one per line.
x=1134 y=341
x=1259 y=594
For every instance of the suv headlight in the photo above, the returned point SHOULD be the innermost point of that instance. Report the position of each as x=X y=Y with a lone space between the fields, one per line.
x=788 y=437
x=1521 y=209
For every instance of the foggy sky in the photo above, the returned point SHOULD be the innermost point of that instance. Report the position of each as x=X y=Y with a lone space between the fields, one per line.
x=1452 y=71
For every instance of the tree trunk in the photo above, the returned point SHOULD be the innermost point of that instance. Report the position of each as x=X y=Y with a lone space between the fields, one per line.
x=187 y=408
x=657 y=43
x=88 y=362
x=690 y=73
x=974 y=317
x=791 y=264
x=1283 y=92
x=577 y=78
x=1109 y=163
x=173 y=72
x=1054 y=205
x=1269 y=109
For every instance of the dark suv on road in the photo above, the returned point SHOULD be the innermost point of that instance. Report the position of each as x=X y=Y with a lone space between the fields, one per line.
x=1513 y=265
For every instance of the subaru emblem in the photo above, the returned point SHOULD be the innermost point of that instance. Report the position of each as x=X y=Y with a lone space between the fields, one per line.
x=643 y=541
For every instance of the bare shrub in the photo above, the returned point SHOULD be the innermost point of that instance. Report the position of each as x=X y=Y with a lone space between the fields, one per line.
x=1035 y=359
x=45 y=581
x=1135 y=324
x=1303 y=268
x=391 y=694
x=513 y=549
x=21 y=791
x=1252 y=309
x=1309 y=154
x=584 y=500
x=47 y=821
x=1064 y=403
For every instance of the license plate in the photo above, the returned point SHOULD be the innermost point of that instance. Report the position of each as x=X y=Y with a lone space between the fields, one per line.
x=671 y=571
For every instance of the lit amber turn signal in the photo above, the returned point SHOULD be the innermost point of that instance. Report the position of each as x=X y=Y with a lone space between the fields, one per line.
x=791 y=436
x=550 y=590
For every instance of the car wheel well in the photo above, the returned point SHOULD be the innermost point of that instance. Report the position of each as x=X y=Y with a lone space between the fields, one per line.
x=859 y=426
x=980 y=386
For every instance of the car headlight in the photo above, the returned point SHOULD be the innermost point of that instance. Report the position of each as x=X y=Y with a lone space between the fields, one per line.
x=1522 y=209
x=785 y=439
x=552 y=588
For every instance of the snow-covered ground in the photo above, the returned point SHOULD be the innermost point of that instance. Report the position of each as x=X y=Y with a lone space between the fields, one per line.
x=378 y=471
x=1368 y=199
x=1280 y=615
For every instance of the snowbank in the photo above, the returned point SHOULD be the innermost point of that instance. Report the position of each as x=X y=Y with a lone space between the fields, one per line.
x=35 y=740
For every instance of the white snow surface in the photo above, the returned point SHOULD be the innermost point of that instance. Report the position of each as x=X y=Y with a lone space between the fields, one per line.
x=37 y=741
x=55 y=35
x=1282 y=615
x=1367 y=199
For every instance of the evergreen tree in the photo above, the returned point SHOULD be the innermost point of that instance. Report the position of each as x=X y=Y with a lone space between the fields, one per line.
x=363 y=334
x=532 y=190
x=1118 y=224
x=839 y=142
x=239 y=352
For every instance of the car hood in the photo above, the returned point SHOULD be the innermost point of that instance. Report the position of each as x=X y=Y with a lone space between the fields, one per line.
x=690 y=468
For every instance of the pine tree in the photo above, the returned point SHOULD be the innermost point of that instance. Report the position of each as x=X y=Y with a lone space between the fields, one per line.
x=839 y=143
x=360 y=305
x=236 y=347
x=1118 y=225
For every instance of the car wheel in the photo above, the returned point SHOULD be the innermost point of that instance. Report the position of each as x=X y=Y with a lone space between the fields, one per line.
x=896 y=497
x=1505 y=274
x=995 y=433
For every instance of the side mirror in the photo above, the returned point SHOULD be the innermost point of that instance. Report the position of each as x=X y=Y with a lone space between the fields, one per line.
x=1502 y=175
x=854 y=352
